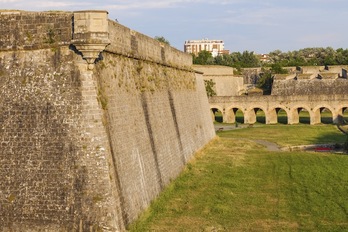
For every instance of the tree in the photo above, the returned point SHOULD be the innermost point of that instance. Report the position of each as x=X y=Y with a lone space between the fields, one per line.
x=310 y=56
x=278 y=69
x=224 y=59
x=162 y=39
x=244 y=60
x=265 y=82
x=204 y=57
x=249 y=60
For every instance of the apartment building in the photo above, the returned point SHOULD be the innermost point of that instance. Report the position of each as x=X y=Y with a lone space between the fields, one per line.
x=216 y=47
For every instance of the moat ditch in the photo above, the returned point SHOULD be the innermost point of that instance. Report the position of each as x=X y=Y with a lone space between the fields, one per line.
x=335 y=148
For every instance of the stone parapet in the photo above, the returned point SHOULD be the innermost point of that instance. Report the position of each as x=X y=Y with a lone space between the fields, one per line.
x=306 y=84
x=130 y=43
x=22 y=30
x=89 y=31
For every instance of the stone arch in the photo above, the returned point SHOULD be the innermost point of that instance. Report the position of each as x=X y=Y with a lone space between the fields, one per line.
x=294 y=114
x=260 y=115
x=231 y=114
x=341 y=115
x=317 y=115
x=345 y=115
x=250 y=115
x=273 y=115
x=215 y=109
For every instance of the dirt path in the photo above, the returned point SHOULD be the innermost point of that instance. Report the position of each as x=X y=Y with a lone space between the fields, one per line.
x=269 y=145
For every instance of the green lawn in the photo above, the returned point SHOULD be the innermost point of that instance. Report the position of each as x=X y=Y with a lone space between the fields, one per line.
x=235 y=184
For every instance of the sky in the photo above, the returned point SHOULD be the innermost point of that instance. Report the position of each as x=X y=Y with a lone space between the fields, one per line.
x=260 y=26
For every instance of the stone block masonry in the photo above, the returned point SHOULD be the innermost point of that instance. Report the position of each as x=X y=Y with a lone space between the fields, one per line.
x=95 y=120
x=330 y=85
x=34 y=30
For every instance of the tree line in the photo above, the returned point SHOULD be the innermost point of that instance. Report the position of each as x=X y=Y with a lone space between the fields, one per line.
x=303 y=57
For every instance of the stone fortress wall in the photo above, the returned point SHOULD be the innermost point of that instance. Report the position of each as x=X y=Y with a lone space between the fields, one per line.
x=301 y=81
x=316 y=80
x=95 y=120
x=226 y=84
x=312 y=89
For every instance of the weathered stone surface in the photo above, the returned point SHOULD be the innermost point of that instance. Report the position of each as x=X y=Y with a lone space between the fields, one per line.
x=226 y=84
x=34 y=30
x=85 y=149
x=328 y=84
x=312 y=89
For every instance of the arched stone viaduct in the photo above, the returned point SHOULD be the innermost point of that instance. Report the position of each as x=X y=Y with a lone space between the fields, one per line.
x=271 y=105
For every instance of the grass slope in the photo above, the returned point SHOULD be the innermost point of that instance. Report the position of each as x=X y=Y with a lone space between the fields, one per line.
x=234 y=184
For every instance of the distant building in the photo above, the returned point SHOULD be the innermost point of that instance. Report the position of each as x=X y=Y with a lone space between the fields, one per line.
x=216 y=47
x=264 y=58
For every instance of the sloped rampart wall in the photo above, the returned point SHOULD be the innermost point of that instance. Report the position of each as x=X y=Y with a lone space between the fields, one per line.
x=86 y=146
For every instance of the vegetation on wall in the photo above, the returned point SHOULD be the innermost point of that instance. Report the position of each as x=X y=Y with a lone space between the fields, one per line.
x=209 y=87
x=50 y=36
x=162 y=39
x=138 y=76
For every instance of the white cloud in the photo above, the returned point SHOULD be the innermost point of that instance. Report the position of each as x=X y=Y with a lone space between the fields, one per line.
x=52 y=4
x=152 y=4
x=43 y=5
x=9 y=1
x=267 y=15
x=146 y=4
x=139 y=5
x=318 y=38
